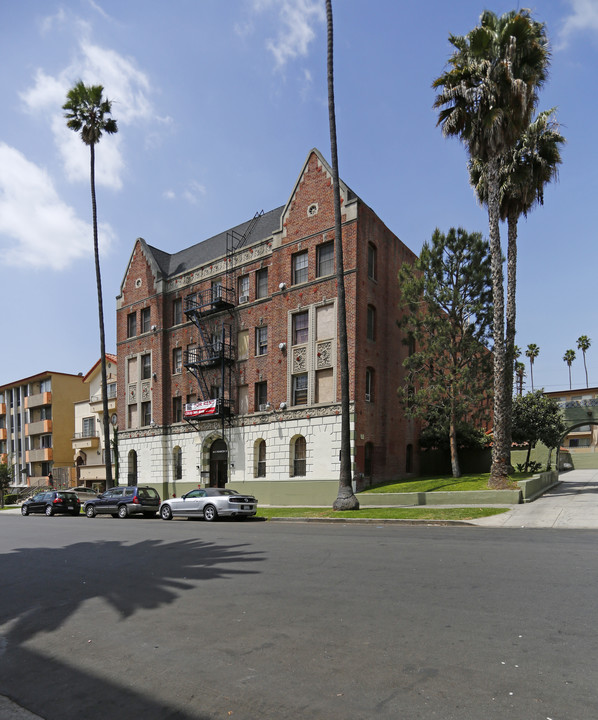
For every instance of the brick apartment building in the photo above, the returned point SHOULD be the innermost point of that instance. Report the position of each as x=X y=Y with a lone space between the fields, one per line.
x=228 y=362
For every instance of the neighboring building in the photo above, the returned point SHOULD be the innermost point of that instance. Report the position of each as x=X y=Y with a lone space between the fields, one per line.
x=37 y=425
x=227 y=352
x=580 y=412
x=88 y=439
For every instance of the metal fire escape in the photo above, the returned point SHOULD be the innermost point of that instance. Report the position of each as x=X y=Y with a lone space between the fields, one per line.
x=212 y=312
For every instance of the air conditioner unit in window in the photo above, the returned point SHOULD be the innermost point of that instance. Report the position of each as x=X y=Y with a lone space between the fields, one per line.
x=243 y=299
x=265 y=407
x=368 y=397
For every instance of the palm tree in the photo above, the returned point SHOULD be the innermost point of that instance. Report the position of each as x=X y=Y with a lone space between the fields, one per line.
x=520 y=375
x=523 y=175
x=345 y=500
x=487 y=97
x=569 y=357
x=532 y=353
x=583 y=343
x=88 y=112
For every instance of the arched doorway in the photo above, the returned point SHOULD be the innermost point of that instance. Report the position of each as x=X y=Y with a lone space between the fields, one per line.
x=218 y=463
x=132 y=468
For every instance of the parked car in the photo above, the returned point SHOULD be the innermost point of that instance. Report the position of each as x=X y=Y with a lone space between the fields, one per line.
x=209 y=503
x=51 y=502
x=84 y=493
x=123 y=501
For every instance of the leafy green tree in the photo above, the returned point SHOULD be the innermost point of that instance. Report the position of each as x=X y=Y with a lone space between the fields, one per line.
x=532 y=353
x=88 y=113
x=6 y=471
x=583 y=344
x=345 y=500
x=447 y=312
x=569 y=357
x=537 y=418
x=487 y=98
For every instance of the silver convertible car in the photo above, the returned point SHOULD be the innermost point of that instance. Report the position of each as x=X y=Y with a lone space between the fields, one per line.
x=209 y=503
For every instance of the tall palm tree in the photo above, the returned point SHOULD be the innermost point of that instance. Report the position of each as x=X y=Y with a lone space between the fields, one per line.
x=583 y=343
x=520 y=375
x=487 y=98
x=345 y=500
x=88 y=112
x=532 y=353
x=523 y=174
x=569 y=357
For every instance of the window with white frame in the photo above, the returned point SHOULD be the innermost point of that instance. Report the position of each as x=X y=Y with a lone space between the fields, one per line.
x=325 y=259
x=177 y=361
x=300 y=266
x=300 y=389
x=261 y=340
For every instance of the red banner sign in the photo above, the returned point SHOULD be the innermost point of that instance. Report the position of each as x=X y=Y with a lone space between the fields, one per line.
x=208 y=407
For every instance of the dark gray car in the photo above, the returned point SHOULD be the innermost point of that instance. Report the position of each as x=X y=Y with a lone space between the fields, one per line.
x=123 y=501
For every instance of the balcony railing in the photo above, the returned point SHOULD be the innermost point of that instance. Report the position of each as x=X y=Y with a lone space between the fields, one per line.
x=111 y=394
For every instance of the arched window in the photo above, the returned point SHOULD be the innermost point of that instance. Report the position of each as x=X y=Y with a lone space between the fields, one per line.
x=368 y=459
x=298 y=455
x=260 y=458
x=132 y=468
x=177 y=463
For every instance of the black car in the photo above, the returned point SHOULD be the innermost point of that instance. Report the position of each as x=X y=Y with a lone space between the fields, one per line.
x=123 y=501
x=51 y=502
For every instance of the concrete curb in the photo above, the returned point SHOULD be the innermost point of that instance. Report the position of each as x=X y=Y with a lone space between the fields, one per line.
x=376 y=521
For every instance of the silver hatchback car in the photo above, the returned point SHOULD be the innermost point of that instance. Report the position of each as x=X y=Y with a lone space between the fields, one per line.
x=209 y=503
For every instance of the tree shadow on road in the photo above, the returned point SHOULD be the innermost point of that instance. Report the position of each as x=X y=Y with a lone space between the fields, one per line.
x=43 y=587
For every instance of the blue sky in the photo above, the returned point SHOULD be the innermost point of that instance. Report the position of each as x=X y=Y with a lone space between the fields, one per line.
x=218 y=103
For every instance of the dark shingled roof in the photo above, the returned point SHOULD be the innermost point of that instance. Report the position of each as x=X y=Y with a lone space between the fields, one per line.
x=203 y=252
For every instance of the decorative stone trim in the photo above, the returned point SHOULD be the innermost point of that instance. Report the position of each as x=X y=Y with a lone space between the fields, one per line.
x=324 y=355
x=299 y=359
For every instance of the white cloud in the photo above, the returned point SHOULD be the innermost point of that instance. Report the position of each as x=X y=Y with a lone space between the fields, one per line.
x=124 y=84
x=45 y=230
x=583 y=18
x=193 y=191
x=298 y=18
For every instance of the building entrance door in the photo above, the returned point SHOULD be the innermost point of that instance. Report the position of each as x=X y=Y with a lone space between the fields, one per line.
x=218 y=463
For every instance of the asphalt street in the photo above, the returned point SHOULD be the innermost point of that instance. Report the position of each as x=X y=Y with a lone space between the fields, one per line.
x=187 y=620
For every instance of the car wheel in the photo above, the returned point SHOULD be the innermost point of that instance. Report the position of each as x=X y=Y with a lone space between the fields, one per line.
x=210 y=513
x=166 y=512
x=122 y=512
x=49 y=510
x=24 y=510
x=90 y=511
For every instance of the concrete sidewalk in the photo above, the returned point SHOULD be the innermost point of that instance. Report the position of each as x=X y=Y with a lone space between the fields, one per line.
x=572 y=504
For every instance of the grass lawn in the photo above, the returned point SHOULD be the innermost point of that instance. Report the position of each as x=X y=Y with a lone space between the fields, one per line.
x=411 y=513
x=477 y=481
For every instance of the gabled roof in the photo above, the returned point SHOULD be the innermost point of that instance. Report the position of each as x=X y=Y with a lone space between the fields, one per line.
x=109 y=358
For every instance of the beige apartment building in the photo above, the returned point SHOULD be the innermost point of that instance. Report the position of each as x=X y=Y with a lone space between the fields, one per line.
x=88 y=439
x=37 y=425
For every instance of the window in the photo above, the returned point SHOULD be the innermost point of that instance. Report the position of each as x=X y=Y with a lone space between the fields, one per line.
x=324 y=385
x=261 y=283
x=146 y=366
x=191 y=301
x=325 y=259
x=300 y=389
x=146 y=413
x=177 y=311
x=325 y=322
x=299 y=455
x=371 y=323
x=191 y=398
x=177 y=409
x=261 y=395
x=131 y=325
x=300 y=328
x=177 y=361
x=177 y=463
x=132 y=468
x=111 y=390
x=372 y=261
x=260 y=470
x=216 y=290
x=216 y=392
x=300 y=268
x=89 y=427
x=369 y=385
x=46 y=442
x=243 y=289
x=243 y=399
x=261 y=340
x=132 y=418
x=243 y=345
x=146 y=316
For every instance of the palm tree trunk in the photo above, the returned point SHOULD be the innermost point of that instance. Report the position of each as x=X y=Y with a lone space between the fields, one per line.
x=345 y=500
x=531 y=372
x=585 y=367
x=499 y=470
x=106 y=418
x=511 y=315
